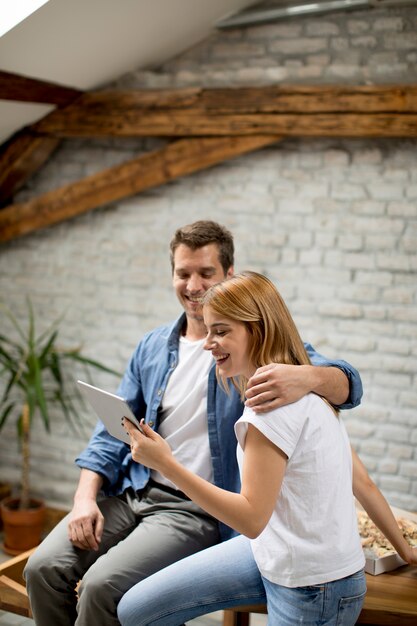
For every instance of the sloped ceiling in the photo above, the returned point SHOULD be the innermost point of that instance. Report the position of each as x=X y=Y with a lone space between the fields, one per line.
x=88 y=43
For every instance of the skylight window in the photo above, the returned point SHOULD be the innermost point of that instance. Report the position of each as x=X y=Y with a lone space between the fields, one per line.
x=14 y=12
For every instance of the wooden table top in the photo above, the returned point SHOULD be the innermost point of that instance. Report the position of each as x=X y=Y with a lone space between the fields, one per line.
x=391 y=598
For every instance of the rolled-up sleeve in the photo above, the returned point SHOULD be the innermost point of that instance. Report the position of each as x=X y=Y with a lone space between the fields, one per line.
x=352 y=374
x=103 y=455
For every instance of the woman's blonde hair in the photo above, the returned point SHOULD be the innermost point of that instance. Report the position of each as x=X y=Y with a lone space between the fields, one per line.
x=253 y=299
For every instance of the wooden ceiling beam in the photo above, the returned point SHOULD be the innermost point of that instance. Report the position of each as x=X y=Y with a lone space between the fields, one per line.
x=309 y=111
x=173 y=124
x=242 y=120
x=24 y=153
x=25 y=89
x=151 y=170
x=20 y=158
x=273 y=98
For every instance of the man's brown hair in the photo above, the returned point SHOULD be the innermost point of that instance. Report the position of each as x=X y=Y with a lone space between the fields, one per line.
x=203 y=233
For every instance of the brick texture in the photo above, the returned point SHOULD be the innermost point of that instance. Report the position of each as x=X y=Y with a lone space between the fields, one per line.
x=333 y=222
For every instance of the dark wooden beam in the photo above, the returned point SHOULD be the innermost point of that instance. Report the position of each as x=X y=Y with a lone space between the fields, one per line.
x=242 y=120
x=156 y=168
x=312 y=111
x=277 y=98
x=25 y=89
x=186 y=125
x=23 y=154
x=20 y=158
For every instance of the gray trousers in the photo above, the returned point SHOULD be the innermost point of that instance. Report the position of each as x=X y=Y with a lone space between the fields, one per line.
x=141 y=536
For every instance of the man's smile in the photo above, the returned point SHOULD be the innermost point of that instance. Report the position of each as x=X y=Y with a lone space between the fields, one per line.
x=194 y=299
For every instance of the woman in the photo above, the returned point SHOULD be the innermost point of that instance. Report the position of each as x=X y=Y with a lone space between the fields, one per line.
x=296 y=503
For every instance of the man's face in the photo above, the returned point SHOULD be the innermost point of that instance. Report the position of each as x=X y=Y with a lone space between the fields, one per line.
x=195 y=271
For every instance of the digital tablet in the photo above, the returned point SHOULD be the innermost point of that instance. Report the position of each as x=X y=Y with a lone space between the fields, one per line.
x=110 y=409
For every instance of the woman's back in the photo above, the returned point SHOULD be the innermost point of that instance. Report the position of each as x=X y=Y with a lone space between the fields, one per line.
x=312 y=535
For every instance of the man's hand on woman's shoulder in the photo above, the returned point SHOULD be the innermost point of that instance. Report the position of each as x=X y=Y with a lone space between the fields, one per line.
x=276 y=385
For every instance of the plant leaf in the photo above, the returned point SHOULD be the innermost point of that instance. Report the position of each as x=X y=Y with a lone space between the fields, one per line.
x=10 y=342
x=71 y=413
x=49 y=346
x=4 y=414
x=14 y=321
x=39 y=391
x=92 y=362
x=32 y=367
x=31 y=334
x=51 y=329
x=8 y=387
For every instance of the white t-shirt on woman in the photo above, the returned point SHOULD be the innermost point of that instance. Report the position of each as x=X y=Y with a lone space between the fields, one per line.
x=312 y=536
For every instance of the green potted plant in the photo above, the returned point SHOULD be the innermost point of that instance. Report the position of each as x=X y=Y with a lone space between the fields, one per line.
x=35 y=378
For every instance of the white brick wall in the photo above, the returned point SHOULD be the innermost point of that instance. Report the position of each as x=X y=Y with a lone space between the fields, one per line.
x=333 y=222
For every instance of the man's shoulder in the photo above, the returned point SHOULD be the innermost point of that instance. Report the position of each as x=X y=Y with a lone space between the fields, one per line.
x=163 y=329
x=163 y=333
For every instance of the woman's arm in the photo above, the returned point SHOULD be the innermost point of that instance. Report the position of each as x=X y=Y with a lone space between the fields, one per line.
x=379 y=510
x=247 y=512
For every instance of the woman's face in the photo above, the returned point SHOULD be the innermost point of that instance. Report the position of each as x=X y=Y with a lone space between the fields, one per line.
x=228 y=341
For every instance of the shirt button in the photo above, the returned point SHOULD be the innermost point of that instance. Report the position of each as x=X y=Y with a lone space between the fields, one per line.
x=173 y=365
x=151 y=423
x=159 y=392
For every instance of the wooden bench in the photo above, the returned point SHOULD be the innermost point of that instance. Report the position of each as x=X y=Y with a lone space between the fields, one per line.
x=13 y=596
x=391 y=600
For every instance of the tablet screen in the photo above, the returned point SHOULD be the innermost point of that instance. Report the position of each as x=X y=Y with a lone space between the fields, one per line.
x=110 y=409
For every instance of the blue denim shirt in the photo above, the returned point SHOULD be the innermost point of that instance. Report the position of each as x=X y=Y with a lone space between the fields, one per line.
x=143 y=386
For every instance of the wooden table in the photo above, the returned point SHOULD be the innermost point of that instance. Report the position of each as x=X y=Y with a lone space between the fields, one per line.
x=391 y=600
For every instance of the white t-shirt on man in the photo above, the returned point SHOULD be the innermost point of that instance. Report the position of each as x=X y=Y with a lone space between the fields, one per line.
x=184 y=411
x=312 y=536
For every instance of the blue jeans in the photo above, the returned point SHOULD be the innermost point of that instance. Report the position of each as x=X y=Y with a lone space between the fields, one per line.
x=337 y=603
x=226 y=576
x=216 y=578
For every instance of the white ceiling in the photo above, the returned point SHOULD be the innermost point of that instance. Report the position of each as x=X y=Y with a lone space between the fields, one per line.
x=89 y=43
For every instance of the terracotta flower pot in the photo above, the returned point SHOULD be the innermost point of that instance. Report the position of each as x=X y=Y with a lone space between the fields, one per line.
x=22 y=528
x=5 y=492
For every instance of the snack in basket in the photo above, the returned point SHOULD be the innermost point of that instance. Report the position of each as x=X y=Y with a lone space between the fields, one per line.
x=375 y=544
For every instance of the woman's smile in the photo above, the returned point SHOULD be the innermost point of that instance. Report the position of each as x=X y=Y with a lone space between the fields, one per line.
x=228 y=341
x=220 y=358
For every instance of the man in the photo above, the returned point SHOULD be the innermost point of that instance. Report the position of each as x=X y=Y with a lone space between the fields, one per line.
x=128 y=522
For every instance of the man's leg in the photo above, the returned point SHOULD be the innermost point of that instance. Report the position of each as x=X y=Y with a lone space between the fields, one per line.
x=169 y=528
x=220 y=577
x=55 y=568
